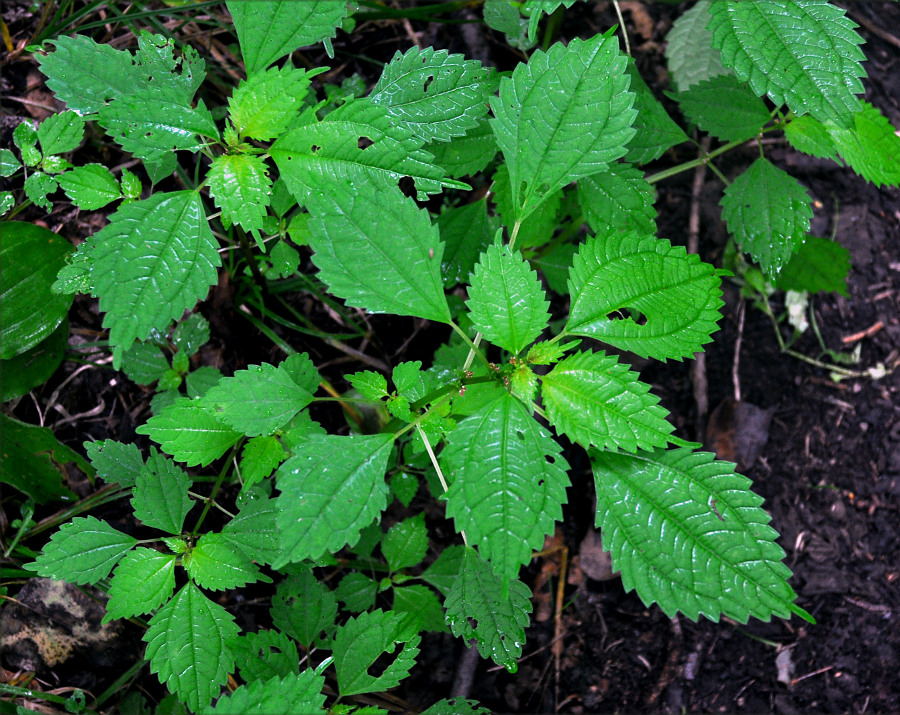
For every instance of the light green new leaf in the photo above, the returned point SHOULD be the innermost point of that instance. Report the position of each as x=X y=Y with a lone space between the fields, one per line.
x=190 y=433
x=21 y=374
x=115 y=462
x=161 y=498
x=216 y=564
x=725 y=107
x=405 y=543
x=655 y=131
x=359 y=643
x=563 y=115
x=34 y=461
x=299 y=693
x=620 y=199
x=509 y=482
x=330 y=491
x=690 y=55
x=871 y=148
x=38 y=186
x=260 y=457
x=494 y=611
x=595 y=400
x=90 y=187
x=699 y=543
x=819 y=266
x=264 y=105
x=369 y=384
x=253 y=531
x=187 y=646
x=768 y=212
x=677 y=295
x=265 y=654
x=270 y=29
x=803 y=53
x=466 y=156
x=507 y=302
x=356 y=143
x=141 y=583
x=434 y=95
x=258 y=400
x=503 y=16
x=60 y=133
x=155 y=259
x=456 y=706
x=9 y=165
x=84 y=550
x=377 y=250
x=240 y=186
x=304 y=608
x=466 y=231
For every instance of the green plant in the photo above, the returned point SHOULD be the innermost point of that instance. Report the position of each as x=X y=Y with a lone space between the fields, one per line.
x=571 y=125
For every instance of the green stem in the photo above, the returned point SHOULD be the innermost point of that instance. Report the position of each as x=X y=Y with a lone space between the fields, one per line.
x=215 y=490
x=33 y=694
x=694 y=163
x=437 y=468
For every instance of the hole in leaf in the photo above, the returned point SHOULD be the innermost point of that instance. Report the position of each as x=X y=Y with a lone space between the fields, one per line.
x=628 y=313
x=473 y=623
x=381 y=664
x=407 y=186
x=550 y=458
x=314 y=149
x=428 y=81
x=364 y=143
x=540 y=482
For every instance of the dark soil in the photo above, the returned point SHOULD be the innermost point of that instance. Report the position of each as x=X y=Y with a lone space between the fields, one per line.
x=829 y=471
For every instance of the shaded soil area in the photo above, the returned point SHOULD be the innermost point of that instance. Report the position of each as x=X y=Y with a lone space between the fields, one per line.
x=828 y=463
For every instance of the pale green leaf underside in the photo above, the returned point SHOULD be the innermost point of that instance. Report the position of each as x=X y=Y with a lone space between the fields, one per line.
x=154 y=260
x=187 y=646
x=330 y=491
x=270 y=29
x=161 y=498
x=563 y=115
x=595 y=400
x=690 y=55
x=190 y=433
x=768 y=211
x=507 y=302
x=82 y=551
x=620 y=199
x=377 y=250
x=479 y=606
x=216 y=564
x=263 y=106
x=434 y=95
x=725 y=107
x=677 y=294
x=300 y=693
x=803 y=53
x=240 y=186
x=508 y=482
x=361 y=641
x=687 y=533
x=141 y=583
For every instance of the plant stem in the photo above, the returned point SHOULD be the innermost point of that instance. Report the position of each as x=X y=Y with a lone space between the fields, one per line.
x=437 y=468
x=215 y=490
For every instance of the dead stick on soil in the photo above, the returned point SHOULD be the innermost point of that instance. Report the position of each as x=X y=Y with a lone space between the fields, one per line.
x=557 y=649
x=735 y=365
x=698 y=367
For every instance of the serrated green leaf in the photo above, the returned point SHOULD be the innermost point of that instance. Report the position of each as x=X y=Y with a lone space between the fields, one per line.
x=405 y=543
x=538 y=227
x=357 y=592
x=620 y=199
x=507 y=302
x=271 y=29
x=144 y=362
x=369 y=384
x=378 y=251
x=768 y=211
x=443 y=572
x=725 y=107
x=260 y=457
x=253 y=531
x=83 y=551
x=361 y=641
x=690 y=55
x=265 y=654
x=263 y=106
x=301 y=693
x=466 y=232
x=7 y=201
x=819 y=266
x=216 y=564
x=509 y=482
x=115 y=462
x=803 y=53
x=699 y=544
x=356 y=143
x=871 y=148
x=90 y=187
x=240 y=186
x=535 y=9
x=421 y=604
x=38 y=187
x=595 y=400
x=301 y=370
x=304 y=608
x=9 y=165
x=809 y=135
x=187 y=646
x=199 y=382
x=141 y=583
x=434 y=95
x=258 y=400
x=131 y=185
x=157 y=68
x=409 y=380
x=161 y=498
x=191 y=333
x=329 y=492
x=563 y=115
x=677 y=294
x=404 y=486
x=503 y=16
x=60 y=133
x=190 y=433
x=483 y=605
x=456 y=706
x=466 y=156
x=138 y=265
x=655 y=132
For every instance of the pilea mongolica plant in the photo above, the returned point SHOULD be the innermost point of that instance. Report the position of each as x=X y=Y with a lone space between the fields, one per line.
x=563 y=138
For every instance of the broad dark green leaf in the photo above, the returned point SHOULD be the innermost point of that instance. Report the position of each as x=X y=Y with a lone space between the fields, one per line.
x=725 y=107
x=304 y=608
x=818 y=266
x=33 y=461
